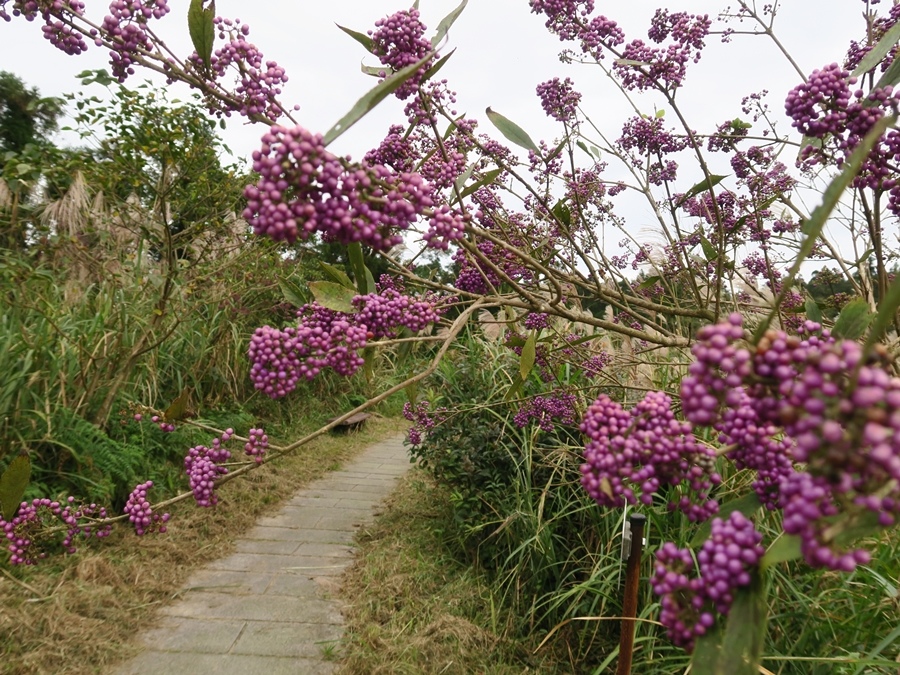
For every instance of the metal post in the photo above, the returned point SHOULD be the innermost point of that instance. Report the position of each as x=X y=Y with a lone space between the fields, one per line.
x=630 y=601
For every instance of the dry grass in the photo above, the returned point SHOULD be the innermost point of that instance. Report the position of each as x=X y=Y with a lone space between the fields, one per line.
x=82 y=613
x=413 y=609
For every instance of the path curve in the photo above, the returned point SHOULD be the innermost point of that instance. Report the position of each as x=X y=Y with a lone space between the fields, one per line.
x=265 y=609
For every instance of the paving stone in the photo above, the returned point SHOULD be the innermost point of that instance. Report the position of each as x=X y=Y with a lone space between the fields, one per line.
x=318 y=500
x=185 y=635
x=325 y=550
x=296 y=585
x=223 y=581
x=253 y=562
x=254 y=608
x=261 y=546
x=268 y=638
x=179 y=663
x=321 y=535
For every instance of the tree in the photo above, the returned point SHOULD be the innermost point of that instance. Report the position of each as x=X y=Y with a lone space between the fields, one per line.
x=25 y=116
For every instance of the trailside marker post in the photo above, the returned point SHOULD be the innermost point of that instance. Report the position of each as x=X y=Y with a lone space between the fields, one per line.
x=629 y=602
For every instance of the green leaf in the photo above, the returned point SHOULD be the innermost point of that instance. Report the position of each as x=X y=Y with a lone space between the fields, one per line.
x=869 y=251
x=12 y=485
x=702 y=186
x=649 y=282
x=783 y=549
x=584 y=147
x=488 y=178
x=333 y=296
x=202 y=29
x=707 y=650
x=526 y=361
x=374 y=96
x=432 y=71
x=374 y=71
x=512 y=131
x=853 y=320
x=709 y=251
x=514 y=388
x=887 y=312
x=369 y=364
x=178 y=409
x=890 y=77
x=747 y=505
x=446 y=23
x=293 y=293
x=460 y=182
x=361 y=38
x=358 y=265
x=879 y=51
x=338 y=275
x=813 y=313
x=562 y=213
x=745 y=632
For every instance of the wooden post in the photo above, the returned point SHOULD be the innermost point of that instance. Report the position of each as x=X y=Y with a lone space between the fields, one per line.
x=630 y=600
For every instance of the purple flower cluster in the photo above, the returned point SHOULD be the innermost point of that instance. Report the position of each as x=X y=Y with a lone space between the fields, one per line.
x=630 y=456
x=383 y=313
x=537 y=321
x=557 y=407
x=726 y=562
x=304 y=189
x=27 y=541
x=559 y=100
x=257 y=444
x=140 y=512
x=398 y=41
x=203 y=466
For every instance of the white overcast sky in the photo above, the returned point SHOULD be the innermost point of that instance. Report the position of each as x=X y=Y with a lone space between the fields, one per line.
x=502 y=53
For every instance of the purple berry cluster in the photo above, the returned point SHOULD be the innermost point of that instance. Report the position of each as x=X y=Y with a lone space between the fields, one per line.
x=558 y=407
x=325 y=338
x=399 y=41
x=807 y=399
x=140 y=512
x=304 y=189
x=203 y=466
x=630 y=457
x=25 y=532
x=56 y=15
x=125 y=29
x=258 y=82
x=423 y=420
x=257 y=444
x=559 y=99
x=725 y=563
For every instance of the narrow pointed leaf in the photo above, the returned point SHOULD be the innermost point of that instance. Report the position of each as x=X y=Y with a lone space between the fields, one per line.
x=709 y=251
x=526 y=361
x=333 y=296
x=178 y=409
x=512 y=131
x=375 y=96
x=745 y=632
x=746 y=505
x=874 y=56
x=12 y=485
x=702 y=186
x=361 y=38
x=783 y=549
x=445 y=24
x=887 y=312
x=293 y=293
x=336 y=274
x=853 y=320
x=202 y=29
x=358 y=265
x=813 y=313
x=488 y=178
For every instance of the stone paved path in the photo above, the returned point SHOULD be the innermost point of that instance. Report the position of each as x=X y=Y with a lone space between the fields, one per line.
x=265 y=609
